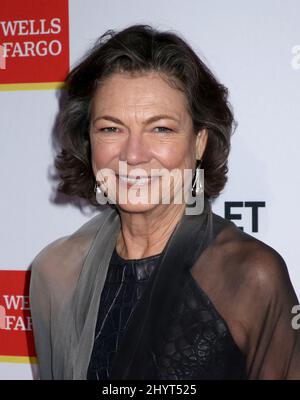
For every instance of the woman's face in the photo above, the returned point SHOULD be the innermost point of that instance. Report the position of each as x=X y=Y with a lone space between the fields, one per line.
x=143 y=122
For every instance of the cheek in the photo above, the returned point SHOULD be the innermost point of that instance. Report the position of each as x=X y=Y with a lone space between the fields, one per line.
x=103 y=154
x=175 y=155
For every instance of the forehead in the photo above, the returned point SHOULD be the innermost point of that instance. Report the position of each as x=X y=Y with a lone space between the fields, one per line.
x=140 y=93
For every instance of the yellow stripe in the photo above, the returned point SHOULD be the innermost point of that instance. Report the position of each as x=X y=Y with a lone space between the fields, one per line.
x=19 y=360
x=31 y=86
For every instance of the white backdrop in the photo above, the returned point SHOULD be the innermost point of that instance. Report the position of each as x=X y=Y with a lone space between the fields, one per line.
x=252 y=49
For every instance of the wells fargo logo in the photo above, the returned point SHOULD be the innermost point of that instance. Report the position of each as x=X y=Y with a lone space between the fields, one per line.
x=16 y=334
x=34 y=44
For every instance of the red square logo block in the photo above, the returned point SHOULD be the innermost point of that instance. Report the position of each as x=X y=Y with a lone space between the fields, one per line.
x=16 y=334
x=34 y=41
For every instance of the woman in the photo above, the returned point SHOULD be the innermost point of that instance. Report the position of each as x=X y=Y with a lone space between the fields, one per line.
x=155 y=289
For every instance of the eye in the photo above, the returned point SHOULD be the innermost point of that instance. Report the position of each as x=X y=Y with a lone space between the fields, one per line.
x=105 y=129
x=165 y=130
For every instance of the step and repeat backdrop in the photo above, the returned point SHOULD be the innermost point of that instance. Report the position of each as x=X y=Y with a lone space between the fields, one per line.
x=252 y=47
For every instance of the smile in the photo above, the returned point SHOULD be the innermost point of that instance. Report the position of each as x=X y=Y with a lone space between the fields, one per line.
x=136 y=181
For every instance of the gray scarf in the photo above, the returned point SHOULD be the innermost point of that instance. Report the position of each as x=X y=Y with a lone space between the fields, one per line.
x=67 y=280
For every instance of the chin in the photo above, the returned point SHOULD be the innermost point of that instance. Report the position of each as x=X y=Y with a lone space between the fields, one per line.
x=136 y=208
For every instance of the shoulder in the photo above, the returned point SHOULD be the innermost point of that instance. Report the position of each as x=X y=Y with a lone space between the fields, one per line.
x=258 y=264
x=256 y=284
x=49 y=255
x=261 y=298
x=65 y=255
x=249 y=259
x=248 y=281
x=238 y=260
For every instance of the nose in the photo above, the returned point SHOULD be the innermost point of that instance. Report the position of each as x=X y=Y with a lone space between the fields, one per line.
x=135 y=150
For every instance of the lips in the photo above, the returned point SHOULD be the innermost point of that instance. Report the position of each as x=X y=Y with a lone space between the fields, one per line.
x=139 y=180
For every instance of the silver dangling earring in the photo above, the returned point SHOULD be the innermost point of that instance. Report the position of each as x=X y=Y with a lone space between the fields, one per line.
x=100 y=196
x=197 y=185
x=97 y=188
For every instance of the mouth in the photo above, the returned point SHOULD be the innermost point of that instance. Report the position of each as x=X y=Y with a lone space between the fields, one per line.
x=138 y=180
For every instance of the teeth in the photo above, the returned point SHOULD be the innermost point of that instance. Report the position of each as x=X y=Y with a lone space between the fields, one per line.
x=134 y=180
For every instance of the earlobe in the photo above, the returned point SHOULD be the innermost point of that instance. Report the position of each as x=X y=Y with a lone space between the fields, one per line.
x=201 y=143
x=94 y=168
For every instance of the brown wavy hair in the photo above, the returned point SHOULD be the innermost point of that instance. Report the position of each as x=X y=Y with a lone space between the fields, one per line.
x=141 y=49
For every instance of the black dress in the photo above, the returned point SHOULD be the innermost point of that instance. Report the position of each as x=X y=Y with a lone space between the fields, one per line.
x=205 y=350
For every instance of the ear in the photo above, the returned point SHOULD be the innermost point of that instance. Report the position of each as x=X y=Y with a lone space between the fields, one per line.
x=201 y=142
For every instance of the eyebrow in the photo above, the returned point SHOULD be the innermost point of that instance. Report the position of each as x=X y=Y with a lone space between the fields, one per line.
x=147 y=121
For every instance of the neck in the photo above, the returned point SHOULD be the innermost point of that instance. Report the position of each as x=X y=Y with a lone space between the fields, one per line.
x=146 y=233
